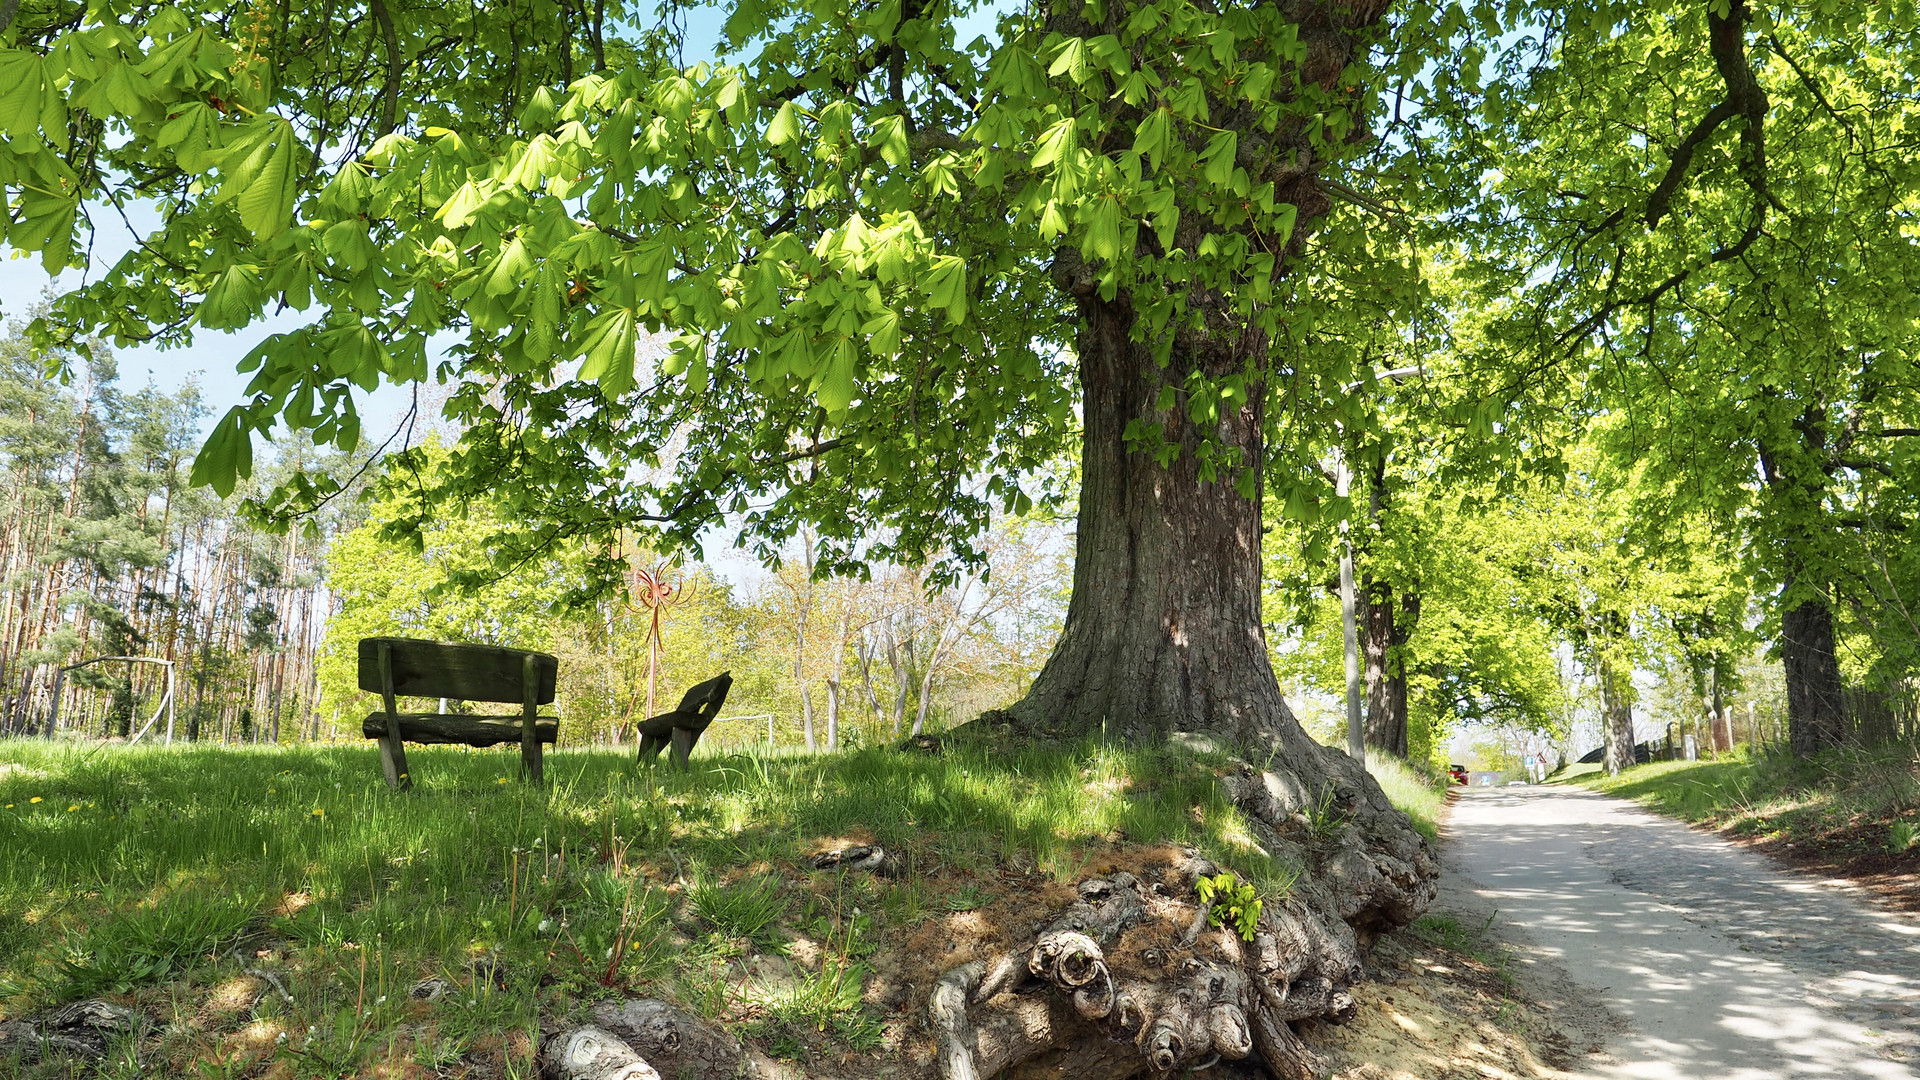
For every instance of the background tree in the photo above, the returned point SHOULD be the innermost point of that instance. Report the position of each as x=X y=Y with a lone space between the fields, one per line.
x=1716 y=253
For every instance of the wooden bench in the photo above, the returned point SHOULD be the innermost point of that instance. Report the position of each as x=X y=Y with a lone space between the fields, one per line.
x=682 y=726
x=402 y=667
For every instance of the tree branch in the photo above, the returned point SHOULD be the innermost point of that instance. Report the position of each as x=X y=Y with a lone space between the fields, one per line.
x=390 y=92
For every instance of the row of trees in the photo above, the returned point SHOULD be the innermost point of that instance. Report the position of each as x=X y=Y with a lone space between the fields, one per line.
x=106 y=550
x=816 y=663
x=1556 y=600
x=903 y=275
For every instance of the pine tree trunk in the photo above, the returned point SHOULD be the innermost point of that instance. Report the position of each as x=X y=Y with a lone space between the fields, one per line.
x=1816 y=703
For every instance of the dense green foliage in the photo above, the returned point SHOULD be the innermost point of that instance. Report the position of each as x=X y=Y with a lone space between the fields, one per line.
x=1656 y=264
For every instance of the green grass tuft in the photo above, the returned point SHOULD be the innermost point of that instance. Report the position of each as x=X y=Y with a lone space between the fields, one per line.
x=1835 y=799
x=1422 y=796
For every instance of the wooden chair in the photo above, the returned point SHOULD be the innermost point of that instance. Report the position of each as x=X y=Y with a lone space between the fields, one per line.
x=682 y=726
x=401 y=667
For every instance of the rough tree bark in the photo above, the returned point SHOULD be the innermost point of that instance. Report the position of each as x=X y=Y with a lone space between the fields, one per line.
x=1132 y=979
x=1163 y=631
x=1816 y=703
x=1616 y=706
x=1164 y=636
x=1386 y=731
x=1799 y=472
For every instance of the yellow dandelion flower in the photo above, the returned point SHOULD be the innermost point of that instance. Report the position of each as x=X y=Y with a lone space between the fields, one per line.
x=502 y=780
x=36 y=798
x=72 y=808
x=317 y=812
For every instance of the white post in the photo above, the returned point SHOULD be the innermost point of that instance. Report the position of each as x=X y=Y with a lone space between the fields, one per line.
x=169 y=703
x=1356 y=734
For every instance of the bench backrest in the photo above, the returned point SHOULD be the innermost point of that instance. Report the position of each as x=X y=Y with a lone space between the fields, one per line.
x=705 y=699
x=467 y=672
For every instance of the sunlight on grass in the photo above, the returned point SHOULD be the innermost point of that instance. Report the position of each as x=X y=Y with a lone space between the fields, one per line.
x=165 y=874
x=468 y=866
x=1776 y=794
x=1422 y=797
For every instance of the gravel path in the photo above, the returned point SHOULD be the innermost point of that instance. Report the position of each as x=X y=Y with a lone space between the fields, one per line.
x=1718 y=965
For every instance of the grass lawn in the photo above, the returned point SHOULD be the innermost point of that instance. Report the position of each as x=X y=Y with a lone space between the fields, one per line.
x=274 y=908
x=1847 y=810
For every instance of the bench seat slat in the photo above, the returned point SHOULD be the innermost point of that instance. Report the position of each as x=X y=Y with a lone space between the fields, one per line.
x=458 y=728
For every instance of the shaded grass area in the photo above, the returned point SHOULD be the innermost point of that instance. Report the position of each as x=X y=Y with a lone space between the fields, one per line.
x=174 y=878
x=1849 y=806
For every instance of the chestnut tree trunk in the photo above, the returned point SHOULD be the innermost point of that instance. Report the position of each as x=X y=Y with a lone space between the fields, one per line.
x=1164 y=641
x=1816 y=703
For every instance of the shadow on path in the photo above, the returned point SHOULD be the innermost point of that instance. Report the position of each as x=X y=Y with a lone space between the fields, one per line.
x=1721 y=966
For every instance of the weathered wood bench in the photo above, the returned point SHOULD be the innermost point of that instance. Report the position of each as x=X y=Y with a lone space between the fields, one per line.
x=402 y=667
x=682 y=727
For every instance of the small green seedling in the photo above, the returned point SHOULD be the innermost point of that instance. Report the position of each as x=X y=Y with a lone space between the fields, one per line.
x=1230 y=901
x=1903 y=835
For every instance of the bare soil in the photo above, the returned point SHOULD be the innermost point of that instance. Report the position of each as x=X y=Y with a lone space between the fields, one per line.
x=1433 y=1013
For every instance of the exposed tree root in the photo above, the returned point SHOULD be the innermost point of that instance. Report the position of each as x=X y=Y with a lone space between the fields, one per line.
x=1133 y=973
x=678 y=1043
x=588 y=1053
x=1130 y=977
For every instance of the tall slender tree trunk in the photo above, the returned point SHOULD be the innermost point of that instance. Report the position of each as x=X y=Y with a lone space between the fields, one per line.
x=1404 y=623
x=1720 y=712
x=900 y=662
x=832 y=679
x=1797 y=483
x=866 y=649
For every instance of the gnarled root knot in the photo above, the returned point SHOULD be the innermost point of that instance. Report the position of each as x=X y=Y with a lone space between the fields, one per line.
x=1127 y=964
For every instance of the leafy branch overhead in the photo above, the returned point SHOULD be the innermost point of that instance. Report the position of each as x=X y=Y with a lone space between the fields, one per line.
x=845 y=236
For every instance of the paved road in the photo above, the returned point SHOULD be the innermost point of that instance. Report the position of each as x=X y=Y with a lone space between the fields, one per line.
x=1722 y=967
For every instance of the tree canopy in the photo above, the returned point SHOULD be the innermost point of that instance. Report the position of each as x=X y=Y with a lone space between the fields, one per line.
x=864 y=275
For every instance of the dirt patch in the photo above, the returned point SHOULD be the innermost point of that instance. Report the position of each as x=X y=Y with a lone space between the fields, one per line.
x=1433 y=1013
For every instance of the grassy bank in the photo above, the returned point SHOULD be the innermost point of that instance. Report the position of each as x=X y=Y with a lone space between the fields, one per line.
x=1422 y=796
x=1845 y=806
x=173 y=879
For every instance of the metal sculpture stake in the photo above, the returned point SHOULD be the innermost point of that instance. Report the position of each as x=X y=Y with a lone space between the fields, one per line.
x=652 y=591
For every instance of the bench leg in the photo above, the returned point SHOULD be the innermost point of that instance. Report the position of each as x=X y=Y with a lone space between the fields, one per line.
x=393 y=762
x=682 y=746
x=650 y=747
x=530 y=760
